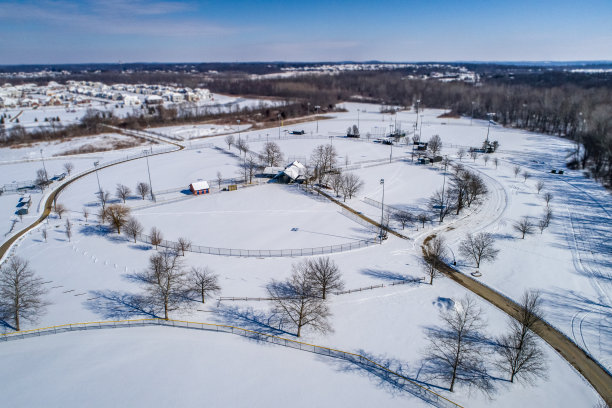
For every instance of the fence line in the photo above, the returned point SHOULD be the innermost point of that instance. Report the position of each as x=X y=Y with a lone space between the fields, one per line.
x=264 y=253
x=395 y=378
x=382 y=285
x=378 y=204
x=344 y=292
x=355 y=218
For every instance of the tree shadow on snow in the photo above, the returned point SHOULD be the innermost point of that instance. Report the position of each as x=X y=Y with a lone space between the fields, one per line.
x=392 y=375
x=390 y=276
x=122 y=305
x=266 y=322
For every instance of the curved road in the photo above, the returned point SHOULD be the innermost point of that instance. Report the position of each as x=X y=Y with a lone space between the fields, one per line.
x=49 y=202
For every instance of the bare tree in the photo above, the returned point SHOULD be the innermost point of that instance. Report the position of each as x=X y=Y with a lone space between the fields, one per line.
x=68 y=229
x=473 y=155
x=85 y=213
x=242 y=146
x=143 y=189
x=183 y=244
x=44 y=234
x=271 y=154
x=324 y=275
x=521 y=355
x=103 y=197
x=516 y=170
x=525 y=175
x=336 y=183
x=547 y=198
x=219 y=179
x=202 y=281
x=496 y=162
x=423 y=218
x=461 y=153
x=351 y=184
x=251 y=166
x=229 y=141
x=539 y=186
x=524 y=226
x=133 y=228
x=68 y=167
x=479 y=247
x=123 y=192
x=293 y=299
x=117 y=215
x=434 y=145
x=441 y=203
x=21 y=292
x=60 y=209
x=165 y=281
x=455 y=351
x=403 y=217
x=434 y=250
x=476 y=189
x=485 y=159
x=156 y=237
x=42 y=179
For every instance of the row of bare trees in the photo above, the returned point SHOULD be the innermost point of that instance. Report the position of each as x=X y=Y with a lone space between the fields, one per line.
x=466 y=188
x=458 y=351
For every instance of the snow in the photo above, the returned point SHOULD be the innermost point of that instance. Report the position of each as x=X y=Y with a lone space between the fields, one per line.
x=569 y=263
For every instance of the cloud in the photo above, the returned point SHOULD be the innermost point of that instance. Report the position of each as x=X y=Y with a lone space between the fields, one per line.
x=115 y=17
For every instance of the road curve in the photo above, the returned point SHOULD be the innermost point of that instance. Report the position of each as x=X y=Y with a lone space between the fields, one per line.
x=49 y=202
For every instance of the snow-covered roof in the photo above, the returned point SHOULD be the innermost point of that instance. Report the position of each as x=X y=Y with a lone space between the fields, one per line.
x=200 y=185
x=294 y=170
x=272 y=170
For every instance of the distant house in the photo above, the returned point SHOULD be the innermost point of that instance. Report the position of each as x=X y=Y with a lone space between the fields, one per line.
x=154 y=100
x=199 y=187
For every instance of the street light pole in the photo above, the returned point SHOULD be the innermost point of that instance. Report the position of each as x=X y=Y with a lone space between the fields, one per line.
x=382 y=209
x=96 y=163
x=146 y=152
x=317 y=107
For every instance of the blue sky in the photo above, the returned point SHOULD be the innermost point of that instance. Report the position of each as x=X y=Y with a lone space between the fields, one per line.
x=64 y=31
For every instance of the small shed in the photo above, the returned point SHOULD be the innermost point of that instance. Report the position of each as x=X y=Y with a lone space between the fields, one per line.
x=199 y=187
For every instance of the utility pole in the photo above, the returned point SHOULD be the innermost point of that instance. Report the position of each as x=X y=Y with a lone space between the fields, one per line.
x=43 y=162
x=146 y=152
x=317 y=107
x=358 y=121
x=238 y=128
x=489 y=126
x=382 y=209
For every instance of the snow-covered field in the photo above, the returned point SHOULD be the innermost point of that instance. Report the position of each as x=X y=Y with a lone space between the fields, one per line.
x=569 y=263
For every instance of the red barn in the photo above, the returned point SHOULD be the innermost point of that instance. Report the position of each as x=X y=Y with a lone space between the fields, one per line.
x=199 y=187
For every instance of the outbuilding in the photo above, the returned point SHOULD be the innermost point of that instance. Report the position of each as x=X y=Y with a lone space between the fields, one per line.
x=199 y=187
